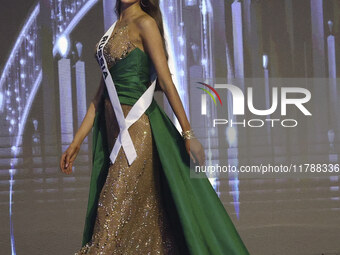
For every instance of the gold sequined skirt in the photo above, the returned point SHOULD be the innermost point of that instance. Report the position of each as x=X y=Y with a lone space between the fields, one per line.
x=130 y=217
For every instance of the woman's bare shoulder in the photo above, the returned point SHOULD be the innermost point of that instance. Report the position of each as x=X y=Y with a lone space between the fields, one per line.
x=145 y=22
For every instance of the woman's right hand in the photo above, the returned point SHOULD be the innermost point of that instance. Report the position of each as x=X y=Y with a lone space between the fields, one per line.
x=68 y=157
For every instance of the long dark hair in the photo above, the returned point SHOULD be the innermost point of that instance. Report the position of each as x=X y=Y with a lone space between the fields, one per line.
x=152 y=8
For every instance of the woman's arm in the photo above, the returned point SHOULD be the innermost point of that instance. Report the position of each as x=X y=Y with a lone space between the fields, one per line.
x=85 y=126
x=87 y=123
x=153 y=46
x=97 y=99
x=67 y=158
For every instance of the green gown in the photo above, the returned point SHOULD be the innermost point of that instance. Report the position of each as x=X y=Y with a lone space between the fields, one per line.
x=196 y=212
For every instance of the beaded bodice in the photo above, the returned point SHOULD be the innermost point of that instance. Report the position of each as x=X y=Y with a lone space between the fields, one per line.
x=130 y=67
x=118 y=46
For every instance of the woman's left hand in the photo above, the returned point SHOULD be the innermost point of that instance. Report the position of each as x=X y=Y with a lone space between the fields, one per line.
x=195 y=150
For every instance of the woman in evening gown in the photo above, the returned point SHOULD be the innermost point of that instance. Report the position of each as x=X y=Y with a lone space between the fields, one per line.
x=151 y=206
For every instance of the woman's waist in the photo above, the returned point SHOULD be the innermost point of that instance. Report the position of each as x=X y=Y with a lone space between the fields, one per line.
x=133 y=91
x=130 y=98
x=130 y=79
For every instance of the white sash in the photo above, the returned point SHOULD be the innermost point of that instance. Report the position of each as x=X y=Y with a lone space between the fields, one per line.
x=137 y=110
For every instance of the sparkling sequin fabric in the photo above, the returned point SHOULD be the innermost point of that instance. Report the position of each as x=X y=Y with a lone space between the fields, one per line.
x=130 y=217
x=118 y=46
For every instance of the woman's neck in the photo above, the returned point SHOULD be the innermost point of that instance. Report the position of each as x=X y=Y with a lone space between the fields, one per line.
x=128 y=11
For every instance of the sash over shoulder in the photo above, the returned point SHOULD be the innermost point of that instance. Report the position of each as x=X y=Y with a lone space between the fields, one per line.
x=137 y=110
